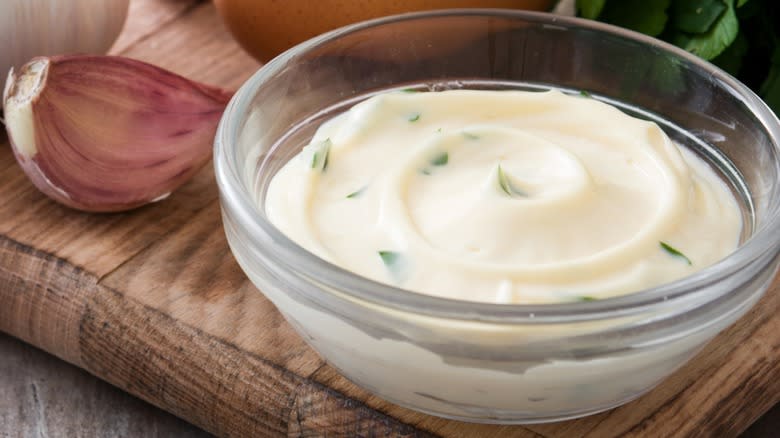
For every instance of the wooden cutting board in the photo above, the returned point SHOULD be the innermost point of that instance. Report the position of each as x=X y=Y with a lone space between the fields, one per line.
x=153 y=302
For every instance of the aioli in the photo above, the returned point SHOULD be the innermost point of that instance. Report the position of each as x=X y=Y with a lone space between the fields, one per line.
x=503 y=196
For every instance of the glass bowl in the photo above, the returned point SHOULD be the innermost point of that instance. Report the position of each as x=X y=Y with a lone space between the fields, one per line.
x=493 y=362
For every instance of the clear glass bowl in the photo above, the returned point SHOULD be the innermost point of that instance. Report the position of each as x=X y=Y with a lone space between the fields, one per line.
x=489 y=362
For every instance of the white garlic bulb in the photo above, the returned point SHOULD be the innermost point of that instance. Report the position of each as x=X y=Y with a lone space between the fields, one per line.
x=30 y=28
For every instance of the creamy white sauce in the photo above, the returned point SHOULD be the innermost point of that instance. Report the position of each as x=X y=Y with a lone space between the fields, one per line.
x=503 y=196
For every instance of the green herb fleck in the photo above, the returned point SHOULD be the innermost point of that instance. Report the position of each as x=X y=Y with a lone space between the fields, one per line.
x=471 y=136
x=425 y=171
x=393 y=261
x=584 y=93
x=441 y=159
x=438 y=130
x=357 y=193
x=506 y=184
x=409 y=90
x=319 y=160
x=414 y=117
x=673 y=251
x=584 y=298
x=389 y=258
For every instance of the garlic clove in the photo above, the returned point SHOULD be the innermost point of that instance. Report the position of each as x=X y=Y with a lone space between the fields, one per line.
x=107 y=133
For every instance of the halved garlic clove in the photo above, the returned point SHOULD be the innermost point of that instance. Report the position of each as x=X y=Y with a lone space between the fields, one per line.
x=107 y=133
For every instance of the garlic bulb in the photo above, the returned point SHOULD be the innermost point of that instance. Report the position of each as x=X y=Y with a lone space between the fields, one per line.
x=30 y=28
x=107 y=133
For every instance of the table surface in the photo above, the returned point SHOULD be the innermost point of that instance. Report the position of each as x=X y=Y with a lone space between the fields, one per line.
x=41 y=396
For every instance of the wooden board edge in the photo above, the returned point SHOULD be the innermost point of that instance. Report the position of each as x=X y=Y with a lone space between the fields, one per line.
x=174 y=366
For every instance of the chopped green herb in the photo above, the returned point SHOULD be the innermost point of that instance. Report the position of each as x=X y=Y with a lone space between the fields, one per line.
x=673 y=251
x=438 y=130
x=584 y=298
x=471 y=136
x=414 y=117
x=584 y=93
x=441 y=159
x=506 y=184
x=503 y=181
x=393 y=261
x=319 y=161
x=357 y=193
x=409 y=90
x=389 y=258
x=425 y=171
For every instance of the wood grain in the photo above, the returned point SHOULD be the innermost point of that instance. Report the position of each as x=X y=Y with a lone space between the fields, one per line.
x=153 y=302
x=41 y=396
x=146 y=17
x=100 y=243
x=180 y=368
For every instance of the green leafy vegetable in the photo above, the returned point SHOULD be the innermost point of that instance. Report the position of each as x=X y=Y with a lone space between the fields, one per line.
x=710 y=44
x=590 y=8
x=319 y=160
x=646 y=16
x=357 y=193
x=584 y=93
x=673 y=251
x=770 y=88
x=696 y=16
x=414 y=117
x=731 y=58
x=506 y=184
x=441 y=159
x=740 y=36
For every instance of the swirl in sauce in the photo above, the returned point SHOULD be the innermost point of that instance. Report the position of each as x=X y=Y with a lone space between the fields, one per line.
x=503 y=196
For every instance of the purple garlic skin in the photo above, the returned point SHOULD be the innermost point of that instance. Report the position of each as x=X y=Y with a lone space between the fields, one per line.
x=107 y=133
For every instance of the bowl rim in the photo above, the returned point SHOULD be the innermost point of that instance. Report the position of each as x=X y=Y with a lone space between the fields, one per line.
x=235 y=197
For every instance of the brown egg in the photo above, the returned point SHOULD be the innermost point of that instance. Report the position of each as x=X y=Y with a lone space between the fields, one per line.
x=266 y=28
